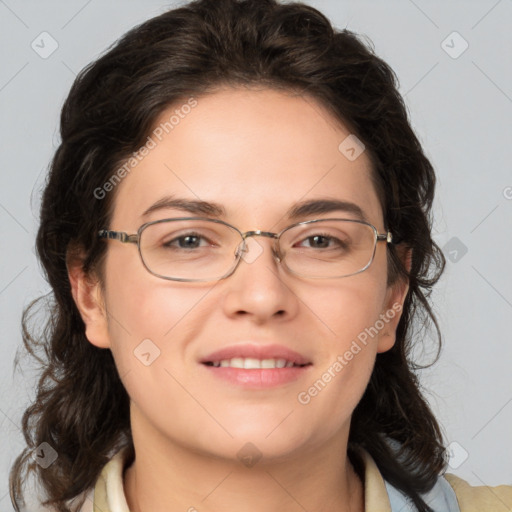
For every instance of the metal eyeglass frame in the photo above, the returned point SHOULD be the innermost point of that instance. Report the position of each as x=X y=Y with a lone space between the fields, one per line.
x=135 y=239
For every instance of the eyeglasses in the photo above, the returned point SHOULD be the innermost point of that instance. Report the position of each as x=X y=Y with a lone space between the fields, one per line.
x=202 y=249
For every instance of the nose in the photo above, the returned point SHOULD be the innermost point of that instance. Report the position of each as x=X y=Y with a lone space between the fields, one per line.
x=259 y=287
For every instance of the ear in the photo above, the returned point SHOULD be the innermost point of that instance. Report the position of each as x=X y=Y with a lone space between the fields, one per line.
x=394 y=303
x=89 y=301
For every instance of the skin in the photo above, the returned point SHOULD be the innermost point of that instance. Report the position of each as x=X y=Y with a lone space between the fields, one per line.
x=256 y=152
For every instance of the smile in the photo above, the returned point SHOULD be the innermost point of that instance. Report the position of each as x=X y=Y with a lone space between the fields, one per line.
x=250 y=363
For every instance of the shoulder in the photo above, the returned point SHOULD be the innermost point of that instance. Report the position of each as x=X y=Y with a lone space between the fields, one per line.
x=449 y=494
x=480 y=498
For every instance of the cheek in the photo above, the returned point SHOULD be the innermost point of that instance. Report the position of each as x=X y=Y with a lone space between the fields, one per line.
x=151 y=344
x=150 y=320
x=349 y=306
x=347 y=323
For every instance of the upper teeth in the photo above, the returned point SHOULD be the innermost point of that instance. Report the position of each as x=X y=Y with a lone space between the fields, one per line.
x=251 y=363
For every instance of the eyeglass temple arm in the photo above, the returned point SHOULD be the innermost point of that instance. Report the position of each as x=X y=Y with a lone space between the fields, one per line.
x=387 y=237
x=118 y=235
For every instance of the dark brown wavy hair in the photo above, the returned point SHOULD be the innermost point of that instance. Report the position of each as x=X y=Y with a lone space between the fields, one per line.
x=81 y=408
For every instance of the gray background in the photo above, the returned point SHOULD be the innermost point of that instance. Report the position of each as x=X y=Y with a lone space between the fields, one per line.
x=460 y=106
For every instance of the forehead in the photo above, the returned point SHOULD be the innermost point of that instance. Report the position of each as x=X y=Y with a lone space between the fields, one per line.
x=255 y=152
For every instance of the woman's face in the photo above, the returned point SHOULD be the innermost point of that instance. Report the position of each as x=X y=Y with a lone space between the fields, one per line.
x=257 y=154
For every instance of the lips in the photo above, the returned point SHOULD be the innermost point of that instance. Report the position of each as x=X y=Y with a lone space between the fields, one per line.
x=256 y=366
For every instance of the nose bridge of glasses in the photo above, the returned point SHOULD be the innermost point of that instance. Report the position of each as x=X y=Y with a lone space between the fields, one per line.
x=258 y=232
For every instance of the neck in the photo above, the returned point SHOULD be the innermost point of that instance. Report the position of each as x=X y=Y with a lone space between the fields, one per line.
x=177 y=479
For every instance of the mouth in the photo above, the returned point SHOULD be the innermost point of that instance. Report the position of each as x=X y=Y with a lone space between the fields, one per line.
x=257 y=366
x=250 y=363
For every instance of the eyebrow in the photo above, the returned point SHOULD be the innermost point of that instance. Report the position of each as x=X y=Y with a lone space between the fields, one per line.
x=196 y=207
x=320 y=206
x=297 y=211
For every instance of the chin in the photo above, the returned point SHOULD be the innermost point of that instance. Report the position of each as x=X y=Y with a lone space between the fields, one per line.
x=255 y=444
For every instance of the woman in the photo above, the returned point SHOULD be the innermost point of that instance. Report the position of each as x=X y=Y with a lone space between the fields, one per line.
x=237 y=232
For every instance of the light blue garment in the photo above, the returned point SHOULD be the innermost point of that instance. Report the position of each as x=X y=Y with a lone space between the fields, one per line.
x=441 y=498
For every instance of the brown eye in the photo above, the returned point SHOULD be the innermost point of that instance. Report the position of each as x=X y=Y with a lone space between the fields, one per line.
x=190 y=241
